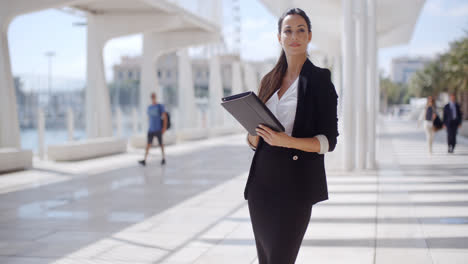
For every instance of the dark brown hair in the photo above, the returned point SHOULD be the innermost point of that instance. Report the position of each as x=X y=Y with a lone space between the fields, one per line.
x=271 y=82
x=430 y=99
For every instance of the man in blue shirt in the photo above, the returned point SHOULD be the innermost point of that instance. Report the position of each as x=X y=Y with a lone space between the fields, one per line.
x=157 y=127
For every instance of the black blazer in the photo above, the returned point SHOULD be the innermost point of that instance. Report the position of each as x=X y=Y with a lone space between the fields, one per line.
x=448 y=115
x=316 y=114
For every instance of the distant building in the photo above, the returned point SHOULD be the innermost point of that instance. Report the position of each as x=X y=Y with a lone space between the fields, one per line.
x=404 y=67
x=167 y=72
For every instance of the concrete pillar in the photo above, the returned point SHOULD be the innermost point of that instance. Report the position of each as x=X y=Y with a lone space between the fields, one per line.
x=149 y=80
x=372 y=79
x=348 y=51
x=201 y=118
x=9 y=126
x=40 y=133
x=250 y=78
x=361 y=99
x=175 y=119
x=236 y=78
x=70 y=124
x=337 y=81
x=135 y=121
x=118 y=120
x=215 y=93
x=98 y=110
x=186 y=91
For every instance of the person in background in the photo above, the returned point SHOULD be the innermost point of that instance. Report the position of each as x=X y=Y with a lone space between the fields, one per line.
x=427 y=116
x=452 y=121
x=157 y=127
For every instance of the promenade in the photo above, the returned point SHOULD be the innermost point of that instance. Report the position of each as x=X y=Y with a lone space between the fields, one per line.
x=412 y=209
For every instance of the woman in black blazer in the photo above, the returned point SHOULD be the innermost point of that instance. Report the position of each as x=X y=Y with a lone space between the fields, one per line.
x=287 y=174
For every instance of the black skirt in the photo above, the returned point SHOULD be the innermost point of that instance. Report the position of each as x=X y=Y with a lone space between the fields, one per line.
x=279 y=218
x=279 y=228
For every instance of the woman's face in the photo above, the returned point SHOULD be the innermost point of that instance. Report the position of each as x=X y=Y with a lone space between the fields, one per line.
x=294 y=35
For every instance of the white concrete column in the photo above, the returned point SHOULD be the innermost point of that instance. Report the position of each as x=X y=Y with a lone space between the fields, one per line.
x=215 y=92
x=250 y=77
x=40 y=133
x=98 y=110
x=349 y=55
x=118 y=120
x=201 y=118
x=361 y=99
x=186 y=91
x=70 y=123
x=236 y=78
x=372 y=79
x=9 y=127
x=135 y=121
x=337 y=78
x=175 y=119
x=149 y=80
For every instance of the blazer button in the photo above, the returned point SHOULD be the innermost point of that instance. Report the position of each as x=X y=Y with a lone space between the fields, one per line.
x=295 y=157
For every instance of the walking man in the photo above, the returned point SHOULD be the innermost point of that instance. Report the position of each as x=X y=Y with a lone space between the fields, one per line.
x=157 y=127
x=452 y=121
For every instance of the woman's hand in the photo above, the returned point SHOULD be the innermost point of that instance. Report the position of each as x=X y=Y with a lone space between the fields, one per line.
x=272 y=137
x=252 y=141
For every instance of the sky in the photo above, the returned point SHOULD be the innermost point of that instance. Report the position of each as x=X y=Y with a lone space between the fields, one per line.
x=32 y=35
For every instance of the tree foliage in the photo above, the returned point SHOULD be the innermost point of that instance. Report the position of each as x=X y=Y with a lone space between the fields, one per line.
x=393 y=93
x=456 y=66
x=447 y=73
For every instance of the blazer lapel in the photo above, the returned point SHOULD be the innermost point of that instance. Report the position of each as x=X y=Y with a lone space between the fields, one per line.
x=301 y=93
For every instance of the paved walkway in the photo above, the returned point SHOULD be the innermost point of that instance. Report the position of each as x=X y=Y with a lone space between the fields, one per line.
x=413 y=209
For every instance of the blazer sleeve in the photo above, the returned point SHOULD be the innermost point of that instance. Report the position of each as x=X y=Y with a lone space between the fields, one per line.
x=327 y=102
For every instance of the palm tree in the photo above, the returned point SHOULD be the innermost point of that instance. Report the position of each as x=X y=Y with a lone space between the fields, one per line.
x=456 y=66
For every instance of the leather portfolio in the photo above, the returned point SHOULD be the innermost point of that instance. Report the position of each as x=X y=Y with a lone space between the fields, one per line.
x=250 y=112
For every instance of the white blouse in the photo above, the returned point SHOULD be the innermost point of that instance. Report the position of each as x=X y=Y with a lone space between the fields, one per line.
x=284 y=110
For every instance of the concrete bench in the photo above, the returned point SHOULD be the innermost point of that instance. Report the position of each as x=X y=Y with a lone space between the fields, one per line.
x=15 y=159
x=86 y=149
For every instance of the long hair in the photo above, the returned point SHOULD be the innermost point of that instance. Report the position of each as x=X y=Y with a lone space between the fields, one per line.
x=271 y=82
x=430 y=99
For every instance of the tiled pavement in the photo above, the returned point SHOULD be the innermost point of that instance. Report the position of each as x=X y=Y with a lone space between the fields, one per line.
x=413 y=209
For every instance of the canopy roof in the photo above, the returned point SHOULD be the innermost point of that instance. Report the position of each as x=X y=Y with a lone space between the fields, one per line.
x=396 y=20
x=142 y=9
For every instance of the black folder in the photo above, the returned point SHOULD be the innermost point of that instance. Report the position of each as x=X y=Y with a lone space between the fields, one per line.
x=250 y=112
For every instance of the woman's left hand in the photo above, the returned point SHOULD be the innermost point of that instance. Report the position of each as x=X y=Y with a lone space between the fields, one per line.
x=272 y=137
